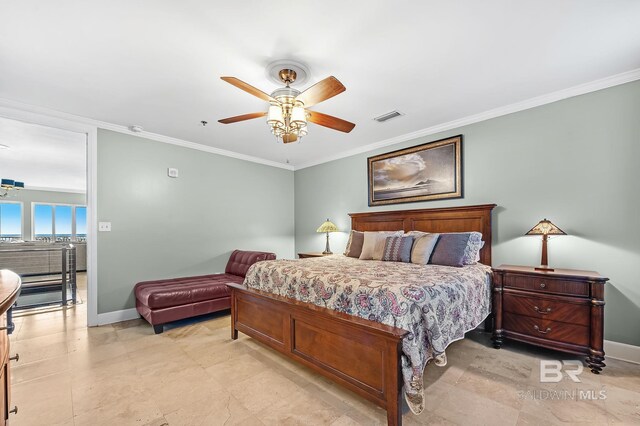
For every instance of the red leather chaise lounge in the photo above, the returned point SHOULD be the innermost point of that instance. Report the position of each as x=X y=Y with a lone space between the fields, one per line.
x=163 y=301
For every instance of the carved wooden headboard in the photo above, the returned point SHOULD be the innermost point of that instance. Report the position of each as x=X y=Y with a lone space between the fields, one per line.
x=449 y=219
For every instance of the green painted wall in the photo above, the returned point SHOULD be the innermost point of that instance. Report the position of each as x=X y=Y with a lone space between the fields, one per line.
x=574 y=162
x=29 y=196
x=164 y=227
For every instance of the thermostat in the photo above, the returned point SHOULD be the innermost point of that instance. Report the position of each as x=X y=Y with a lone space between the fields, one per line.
x=172 y=173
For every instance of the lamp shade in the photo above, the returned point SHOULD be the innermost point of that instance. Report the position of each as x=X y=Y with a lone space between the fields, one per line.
x=545 y=227
x=327 y=227
x=298 y=117
x=275 y=117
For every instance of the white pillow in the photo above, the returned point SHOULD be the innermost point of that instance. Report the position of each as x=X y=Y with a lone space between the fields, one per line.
x=368 y=245
x=478 y=253
x=378 y=251
x=423 y=247
x=373 y=246
x=417 y=234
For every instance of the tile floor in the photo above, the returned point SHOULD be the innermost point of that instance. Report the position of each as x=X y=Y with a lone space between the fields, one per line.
x=123 y=374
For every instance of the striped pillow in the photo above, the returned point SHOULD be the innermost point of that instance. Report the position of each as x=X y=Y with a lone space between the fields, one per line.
x=398 y=249
x=423 y=247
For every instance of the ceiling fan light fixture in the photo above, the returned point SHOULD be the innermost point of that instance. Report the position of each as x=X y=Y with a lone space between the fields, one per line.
x=298 y=117
x=288 y=122
x=275 y=118
x=287 y=115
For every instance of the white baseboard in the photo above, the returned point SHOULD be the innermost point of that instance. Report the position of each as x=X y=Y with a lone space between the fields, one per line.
x=118 y=316
x=622 y=351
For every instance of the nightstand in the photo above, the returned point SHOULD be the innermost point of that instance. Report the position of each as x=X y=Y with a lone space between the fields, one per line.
x=311 y=254
x=561 y=310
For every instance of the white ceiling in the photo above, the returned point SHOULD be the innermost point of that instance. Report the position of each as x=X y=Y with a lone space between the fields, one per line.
x=42 y=157
x=157 y=63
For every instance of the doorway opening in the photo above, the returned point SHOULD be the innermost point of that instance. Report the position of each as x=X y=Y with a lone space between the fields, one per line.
x=46 y=232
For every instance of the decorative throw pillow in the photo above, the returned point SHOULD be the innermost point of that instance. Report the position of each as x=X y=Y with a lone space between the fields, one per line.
x=346 y=249
x=423 y=247
x=378 y=250
x=370 y=242
x=472 y=251
x=476 y=258
x=449 y=250
x=354 y=246
x=416 y=234
x=397 y=249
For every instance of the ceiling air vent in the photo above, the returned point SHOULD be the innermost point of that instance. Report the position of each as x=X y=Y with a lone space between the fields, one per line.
x=388 y=116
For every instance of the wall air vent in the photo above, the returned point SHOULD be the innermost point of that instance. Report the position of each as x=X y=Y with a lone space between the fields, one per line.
x=388 y=116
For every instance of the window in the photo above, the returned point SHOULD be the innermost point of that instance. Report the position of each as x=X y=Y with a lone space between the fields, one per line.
x=63 y=218
x=59 y=222
x=81 y=223
x=10 y=221
x=42 y=221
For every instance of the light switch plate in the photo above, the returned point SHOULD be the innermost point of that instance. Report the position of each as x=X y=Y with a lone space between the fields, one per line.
x=104 y=226
x=172 y=173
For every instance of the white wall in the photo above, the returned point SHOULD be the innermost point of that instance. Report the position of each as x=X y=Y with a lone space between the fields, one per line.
x=164 y=227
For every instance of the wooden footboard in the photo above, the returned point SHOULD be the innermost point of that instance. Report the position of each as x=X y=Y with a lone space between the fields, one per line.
x=361 y=355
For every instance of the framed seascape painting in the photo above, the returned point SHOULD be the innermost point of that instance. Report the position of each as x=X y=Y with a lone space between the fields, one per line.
x=431 y=171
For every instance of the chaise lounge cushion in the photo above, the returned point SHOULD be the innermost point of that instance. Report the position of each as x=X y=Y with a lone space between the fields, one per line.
x=163 y=301
x=181 y=291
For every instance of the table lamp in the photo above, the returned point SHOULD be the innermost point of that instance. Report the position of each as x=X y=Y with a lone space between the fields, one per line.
x=327 y=227
x=545 y=228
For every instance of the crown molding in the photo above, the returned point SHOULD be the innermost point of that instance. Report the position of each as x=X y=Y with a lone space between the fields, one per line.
x=593 y=86
x=8 y=103
x=559 y=95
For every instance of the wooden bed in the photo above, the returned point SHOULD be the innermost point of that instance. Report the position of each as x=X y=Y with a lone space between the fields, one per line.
x=361 y=355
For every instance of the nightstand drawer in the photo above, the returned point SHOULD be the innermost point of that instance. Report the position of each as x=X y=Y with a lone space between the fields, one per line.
x=547 y=308
x=546 y=285
x=547 y=329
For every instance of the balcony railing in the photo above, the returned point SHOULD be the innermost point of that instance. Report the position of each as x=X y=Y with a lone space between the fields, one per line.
x=43 y=270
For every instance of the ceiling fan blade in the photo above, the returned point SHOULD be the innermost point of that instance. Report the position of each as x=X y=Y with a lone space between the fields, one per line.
x=242 y=117
x=330 y=122
x=321 y=91
x=248 y=88
x=288 y=138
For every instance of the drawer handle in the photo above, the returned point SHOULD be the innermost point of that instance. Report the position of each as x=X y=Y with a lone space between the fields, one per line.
x=542 y=285
x=541 y=311
x=15 y=358
x=15 y=410
x=536 y=328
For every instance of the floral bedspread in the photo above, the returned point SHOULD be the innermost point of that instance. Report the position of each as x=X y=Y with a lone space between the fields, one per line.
x=436 y=304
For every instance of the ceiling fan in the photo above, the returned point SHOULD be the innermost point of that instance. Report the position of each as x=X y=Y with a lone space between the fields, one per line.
x=288 y=114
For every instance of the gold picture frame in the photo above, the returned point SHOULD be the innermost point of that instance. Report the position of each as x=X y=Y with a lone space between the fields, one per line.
x=430 y=171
